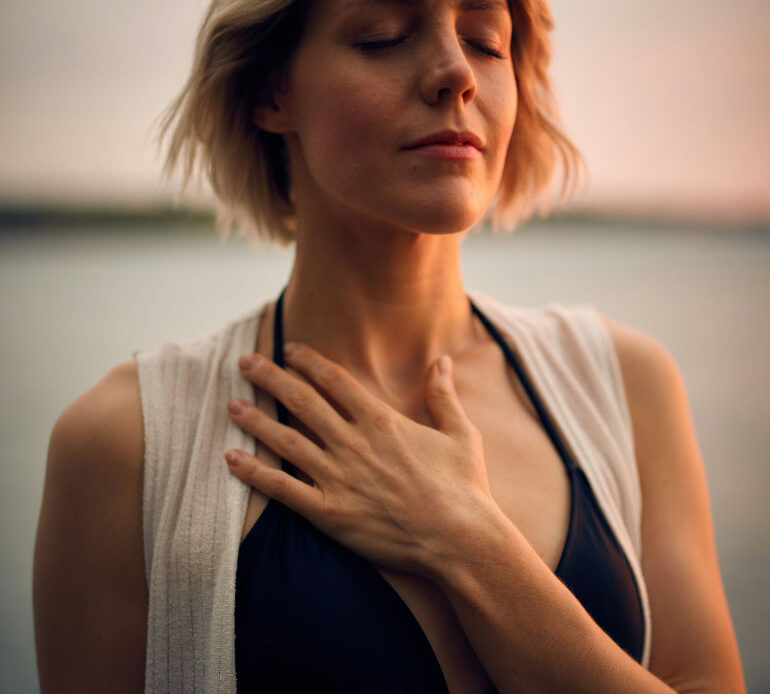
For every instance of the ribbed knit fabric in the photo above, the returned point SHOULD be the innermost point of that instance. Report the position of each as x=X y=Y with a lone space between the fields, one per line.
x=194 y=509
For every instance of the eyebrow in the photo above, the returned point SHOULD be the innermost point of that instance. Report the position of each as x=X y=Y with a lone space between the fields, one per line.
x=463 y=4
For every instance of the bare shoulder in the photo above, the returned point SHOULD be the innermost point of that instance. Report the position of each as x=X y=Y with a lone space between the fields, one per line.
x=664 y=436
x=106 y=420
x=649 y=370
x=679 y=558
x=89 y=589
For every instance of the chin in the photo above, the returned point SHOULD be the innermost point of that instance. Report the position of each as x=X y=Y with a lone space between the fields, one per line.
x=449 y=210
x=447 y=216
x=438 y=226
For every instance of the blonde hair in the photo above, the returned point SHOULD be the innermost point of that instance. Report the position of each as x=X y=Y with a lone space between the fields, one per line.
x=241 y=55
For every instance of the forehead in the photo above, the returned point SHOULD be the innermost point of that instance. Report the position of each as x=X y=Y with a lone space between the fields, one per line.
x=428 y=4
x=328 y=14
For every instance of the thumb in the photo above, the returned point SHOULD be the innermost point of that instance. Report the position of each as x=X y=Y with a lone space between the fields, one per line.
x=441 y=397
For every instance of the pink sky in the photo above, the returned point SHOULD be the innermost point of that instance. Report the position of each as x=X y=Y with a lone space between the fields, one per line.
x=668 y=101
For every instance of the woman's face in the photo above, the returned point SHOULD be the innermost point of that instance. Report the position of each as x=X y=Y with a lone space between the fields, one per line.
x=372 y=79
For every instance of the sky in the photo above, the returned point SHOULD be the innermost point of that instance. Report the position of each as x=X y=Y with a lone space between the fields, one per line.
x=667 y=101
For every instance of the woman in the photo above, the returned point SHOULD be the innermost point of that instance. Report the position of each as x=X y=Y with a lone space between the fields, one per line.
x=426 y=490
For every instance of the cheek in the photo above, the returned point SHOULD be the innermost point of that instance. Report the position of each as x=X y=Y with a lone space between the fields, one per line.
x=505 y=102
x=350 y=117
x=501 y=109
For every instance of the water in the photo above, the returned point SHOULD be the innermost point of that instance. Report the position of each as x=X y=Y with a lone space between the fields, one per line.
x=72 y=305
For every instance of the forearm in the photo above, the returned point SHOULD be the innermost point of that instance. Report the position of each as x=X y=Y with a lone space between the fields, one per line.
x=528 y=630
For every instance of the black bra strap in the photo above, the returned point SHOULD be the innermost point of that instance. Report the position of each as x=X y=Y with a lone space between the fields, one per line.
x=545 y=418
x=283 y=413
x=513 y=360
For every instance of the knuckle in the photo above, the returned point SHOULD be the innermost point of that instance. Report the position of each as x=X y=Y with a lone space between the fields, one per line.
x=298 y=399
x=334 y=517
x=326 y=376
x=360 y=447
x=253 y=417
x=287 y=440
x=442 y=389
x=277 y=487
x=474 y=436
x=382 y=421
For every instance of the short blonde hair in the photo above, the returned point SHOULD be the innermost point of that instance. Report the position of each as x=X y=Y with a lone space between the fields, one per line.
x=241 y=55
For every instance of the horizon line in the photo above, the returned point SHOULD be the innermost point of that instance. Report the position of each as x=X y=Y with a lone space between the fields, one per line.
x=89 y=215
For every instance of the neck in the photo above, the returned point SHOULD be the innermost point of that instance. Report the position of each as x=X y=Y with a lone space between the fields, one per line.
x=383 y=303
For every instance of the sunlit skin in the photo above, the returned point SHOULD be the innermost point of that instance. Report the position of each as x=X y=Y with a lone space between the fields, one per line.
x=440 y=478
x=375 y=296
x=371 y=79
x=377 y=241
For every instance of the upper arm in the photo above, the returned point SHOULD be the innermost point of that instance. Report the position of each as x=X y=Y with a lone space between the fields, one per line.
x=693 y=644
x=89 y=588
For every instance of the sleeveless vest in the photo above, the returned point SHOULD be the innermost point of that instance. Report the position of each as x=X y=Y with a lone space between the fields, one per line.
x=194 y=509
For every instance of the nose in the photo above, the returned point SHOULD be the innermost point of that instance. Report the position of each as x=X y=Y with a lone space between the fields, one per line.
x=447 y=73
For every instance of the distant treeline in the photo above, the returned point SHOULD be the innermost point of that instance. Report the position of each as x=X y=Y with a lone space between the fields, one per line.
x=80 y=218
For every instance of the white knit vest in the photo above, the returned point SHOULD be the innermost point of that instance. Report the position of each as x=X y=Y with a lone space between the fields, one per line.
x=194 y=509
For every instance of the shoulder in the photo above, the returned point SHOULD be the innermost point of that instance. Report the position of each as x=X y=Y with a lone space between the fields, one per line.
x=655 y=391
x=679 y=557
x=671 y=473
x=95 y=463
x=93 y=482
x=103 y=424
x=645 y=362
x=89 y=587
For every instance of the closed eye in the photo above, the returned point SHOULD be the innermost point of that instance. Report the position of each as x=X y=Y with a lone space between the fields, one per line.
x=370 y=46
x=384 y=44
x=486 y=50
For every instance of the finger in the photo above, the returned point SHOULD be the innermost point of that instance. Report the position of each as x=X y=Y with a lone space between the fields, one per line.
x=300 y=398
x=441 y=398
x=286 y=442
x=276 y=484
x=332 y=378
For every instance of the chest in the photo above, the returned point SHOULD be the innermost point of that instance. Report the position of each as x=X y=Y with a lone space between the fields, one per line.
x=527 y=479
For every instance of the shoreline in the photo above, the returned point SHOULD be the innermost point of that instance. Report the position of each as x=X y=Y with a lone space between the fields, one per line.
x=62 y=217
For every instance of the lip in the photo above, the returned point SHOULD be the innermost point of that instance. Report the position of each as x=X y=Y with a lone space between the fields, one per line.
x=439 y=150
x=449 y=140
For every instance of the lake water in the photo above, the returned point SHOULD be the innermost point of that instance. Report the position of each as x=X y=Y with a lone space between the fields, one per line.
x=74 y=304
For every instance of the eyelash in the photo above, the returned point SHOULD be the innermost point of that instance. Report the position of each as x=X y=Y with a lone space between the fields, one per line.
x=373 y=46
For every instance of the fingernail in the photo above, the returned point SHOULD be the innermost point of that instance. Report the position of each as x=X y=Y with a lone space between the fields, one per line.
x=236 y=406
x=233 y=458
x=249 y=362
x=445 y=365
x=289 y=349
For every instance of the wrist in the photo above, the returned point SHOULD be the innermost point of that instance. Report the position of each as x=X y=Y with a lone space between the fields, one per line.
x=467 y=543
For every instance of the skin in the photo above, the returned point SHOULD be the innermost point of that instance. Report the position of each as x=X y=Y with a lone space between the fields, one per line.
x=374 y=299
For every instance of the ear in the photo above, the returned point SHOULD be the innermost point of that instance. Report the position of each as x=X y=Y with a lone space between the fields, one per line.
x=273 y=116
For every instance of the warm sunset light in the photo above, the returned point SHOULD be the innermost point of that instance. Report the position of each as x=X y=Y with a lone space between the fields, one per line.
x=668 y=101
x=374 y=416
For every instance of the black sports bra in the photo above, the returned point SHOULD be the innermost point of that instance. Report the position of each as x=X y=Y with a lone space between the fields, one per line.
x=312 y=616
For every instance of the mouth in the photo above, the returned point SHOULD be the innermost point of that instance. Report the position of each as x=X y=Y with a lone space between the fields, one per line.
x=450 y=138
